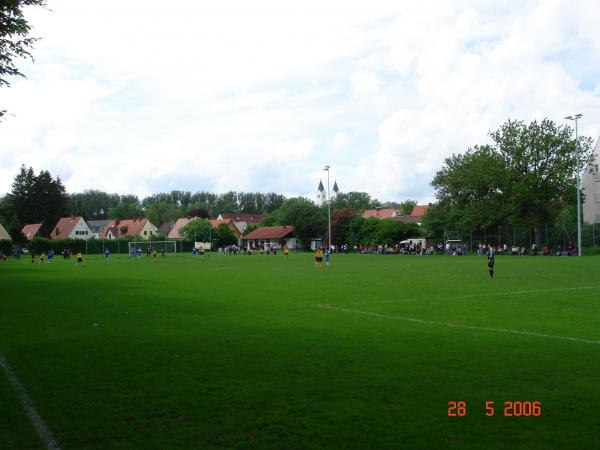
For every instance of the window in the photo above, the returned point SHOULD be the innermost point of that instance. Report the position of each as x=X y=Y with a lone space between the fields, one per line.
x=145 y=232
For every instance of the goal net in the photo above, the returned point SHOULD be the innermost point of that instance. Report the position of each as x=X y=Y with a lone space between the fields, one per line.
x=169 y=247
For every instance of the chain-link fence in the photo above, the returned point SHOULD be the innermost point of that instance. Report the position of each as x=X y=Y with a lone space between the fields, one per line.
x=556 y=235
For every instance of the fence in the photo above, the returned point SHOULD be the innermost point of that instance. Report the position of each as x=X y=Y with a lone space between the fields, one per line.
x=552 y=235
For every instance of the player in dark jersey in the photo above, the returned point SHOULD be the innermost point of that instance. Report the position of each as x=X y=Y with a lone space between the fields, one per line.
x=490 y=263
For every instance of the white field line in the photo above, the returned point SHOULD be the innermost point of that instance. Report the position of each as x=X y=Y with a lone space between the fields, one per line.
x=455 y=325
x=38 y=423
x=532 y=291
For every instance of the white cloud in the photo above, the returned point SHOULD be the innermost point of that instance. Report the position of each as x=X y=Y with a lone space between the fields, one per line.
x=135 y=97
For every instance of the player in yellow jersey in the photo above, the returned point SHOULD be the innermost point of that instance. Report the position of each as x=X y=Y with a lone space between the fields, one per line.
x=286 y=251
x=79 y=259
x=319 y=258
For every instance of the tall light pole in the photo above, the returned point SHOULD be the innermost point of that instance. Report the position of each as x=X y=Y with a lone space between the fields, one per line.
x=575 y=118
x=328 y=208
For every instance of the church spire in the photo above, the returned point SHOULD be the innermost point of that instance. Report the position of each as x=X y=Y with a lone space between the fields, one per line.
x=320 y=188
x=335 y=187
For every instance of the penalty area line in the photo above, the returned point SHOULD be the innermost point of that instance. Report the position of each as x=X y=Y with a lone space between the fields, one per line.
x=36 y=420
x=485 y=294
x=460 y=326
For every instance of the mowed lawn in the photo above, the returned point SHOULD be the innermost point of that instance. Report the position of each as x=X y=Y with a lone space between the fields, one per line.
x=258 y=352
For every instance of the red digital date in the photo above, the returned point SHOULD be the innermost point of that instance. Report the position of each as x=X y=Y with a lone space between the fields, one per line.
x=511 y=409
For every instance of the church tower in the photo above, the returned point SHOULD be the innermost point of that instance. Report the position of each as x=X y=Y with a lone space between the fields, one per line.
x=336 y=191
x=321 y=195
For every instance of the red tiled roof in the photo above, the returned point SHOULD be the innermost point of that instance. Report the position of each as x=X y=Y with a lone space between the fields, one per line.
x=179 y=223
x=64 y=227
x=419 y=210
x=31 y=230
x=381 y=213
x=124 y=228
x=269 y=233
x=216 y=222
x=248 y=218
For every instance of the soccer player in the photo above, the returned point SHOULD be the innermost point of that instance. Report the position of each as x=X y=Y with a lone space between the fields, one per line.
x=139 y=252
x=201 y=251
x=286 y=251
x=490 y=263
x=32 y=257
x=327 y=253
x=194 y=252
x=106 y=253
x=50 y=256
x=42 y=258
x=319 y=258
x=79 y=259
x=154 y=254
x=132 y=253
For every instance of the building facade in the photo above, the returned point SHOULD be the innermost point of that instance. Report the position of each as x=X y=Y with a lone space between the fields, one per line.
x=590 y=183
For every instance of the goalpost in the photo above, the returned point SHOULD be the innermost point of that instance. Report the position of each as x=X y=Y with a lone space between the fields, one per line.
x=168 y=246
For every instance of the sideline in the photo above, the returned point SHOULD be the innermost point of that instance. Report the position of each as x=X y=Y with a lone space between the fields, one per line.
x=490 y=294
x=38 y=423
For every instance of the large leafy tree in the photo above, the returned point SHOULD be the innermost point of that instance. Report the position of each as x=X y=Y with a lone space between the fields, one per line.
x=472 y=188
x=525 y=177
x=15 y=41
x=541 y=162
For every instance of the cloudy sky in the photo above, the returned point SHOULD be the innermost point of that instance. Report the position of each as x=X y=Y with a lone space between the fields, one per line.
x=142 y=96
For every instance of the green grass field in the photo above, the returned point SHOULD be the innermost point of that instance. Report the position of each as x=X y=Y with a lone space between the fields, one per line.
x=258 y=352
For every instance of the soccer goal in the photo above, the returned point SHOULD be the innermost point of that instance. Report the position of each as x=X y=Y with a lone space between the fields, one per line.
x=169 y=247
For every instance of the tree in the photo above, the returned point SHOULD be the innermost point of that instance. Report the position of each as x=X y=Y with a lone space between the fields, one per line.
x=223 y=236
x=51 y=200
x=92 y=204
x=129 y=207
x=407 y=206
x=308 y=220
x=541 y=161
x=14 y=38
x=196 y=230
x=471 y=189
x=524 y=178
x=340 y=223
x=34 y=199
x=354 y=201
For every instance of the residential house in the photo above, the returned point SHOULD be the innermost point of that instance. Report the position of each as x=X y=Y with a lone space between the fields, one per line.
x=179 y=224
x=215 y=223
x=97 y=226
x=166 y=227
x=269 y=237
x=128 y=228
x=241 y=221
x=73 y=227
x=380 y=213
x=31 y=230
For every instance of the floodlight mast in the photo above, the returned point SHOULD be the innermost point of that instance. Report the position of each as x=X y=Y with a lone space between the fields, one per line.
x=575 y=118
x=327 y=167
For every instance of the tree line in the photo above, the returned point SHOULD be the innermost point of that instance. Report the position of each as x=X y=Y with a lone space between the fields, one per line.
x=41 y=198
